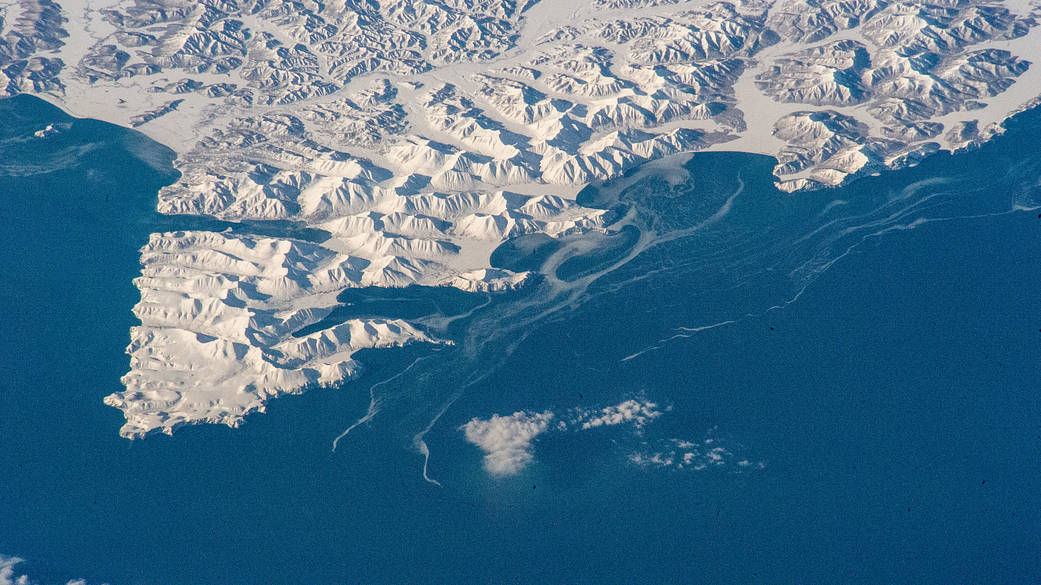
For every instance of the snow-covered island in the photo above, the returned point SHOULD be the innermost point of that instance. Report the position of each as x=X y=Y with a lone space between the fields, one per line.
x=421 y=135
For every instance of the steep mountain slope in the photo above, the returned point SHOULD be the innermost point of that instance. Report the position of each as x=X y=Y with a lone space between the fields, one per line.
x=421 y=135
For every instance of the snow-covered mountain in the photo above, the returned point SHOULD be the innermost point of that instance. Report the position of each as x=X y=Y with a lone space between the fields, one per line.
x=421 y=135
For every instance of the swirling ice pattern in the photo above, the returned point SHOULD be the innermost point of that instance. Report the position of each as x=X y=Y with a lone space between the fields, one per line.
x=716 y=233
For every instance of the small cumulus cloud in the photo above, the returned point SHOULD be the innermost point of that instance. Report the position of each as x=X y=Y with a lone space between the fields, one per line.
x=638 y=412
x=708 y=453
x=7 y=572
x=9 y=576
x=508 y=441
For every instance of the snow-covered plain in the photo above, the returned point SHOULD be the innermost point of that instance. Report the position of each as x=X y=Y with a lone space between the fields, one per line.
x=421 y=135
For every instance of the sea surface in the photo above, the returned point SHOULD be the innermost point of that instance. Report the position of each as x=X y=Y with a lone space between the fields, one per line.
x=868 y=359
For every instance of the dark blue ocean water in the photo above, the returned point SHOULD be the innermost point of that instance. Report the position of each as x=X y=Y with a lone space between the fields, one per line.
x=893 y=393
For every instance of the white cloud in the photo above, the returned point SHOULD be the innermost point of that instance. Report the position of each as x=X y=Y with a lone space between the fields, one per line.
x=651 y=459
x=9 y=577
x=638 y=412
x=708 y=453
x=507 y=440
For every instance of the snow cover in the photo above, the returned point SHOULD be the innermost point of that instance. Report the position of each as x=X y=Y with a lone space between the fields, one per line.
x=421 y=135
